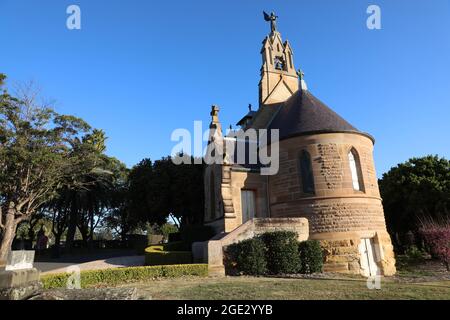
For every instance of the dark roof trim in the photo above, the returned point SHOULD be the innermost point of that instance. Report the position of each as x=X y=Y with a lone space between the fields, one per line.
x=237 y=168
x=249 y=115
x=329 y=131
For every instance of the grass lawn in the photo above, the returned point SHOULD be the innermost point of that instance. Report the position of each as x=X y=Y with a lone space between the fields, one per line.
x=230 y=288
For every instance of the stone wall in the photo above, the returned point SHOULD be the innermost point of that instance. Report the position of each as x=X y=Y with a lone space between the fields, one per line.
x=338 y=215
x=243 y=180
x=335 y=214
x=341 y=251
x=331 y=165
x=331 y=170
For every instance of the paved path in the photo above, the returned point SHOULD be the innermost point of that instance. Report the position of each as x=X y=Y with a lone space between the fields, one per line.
x=115 y=262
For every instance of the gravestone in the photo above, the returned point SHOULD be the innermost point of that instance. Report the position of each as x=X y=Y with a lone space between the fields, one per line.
x=20 y=260
x=18 y=279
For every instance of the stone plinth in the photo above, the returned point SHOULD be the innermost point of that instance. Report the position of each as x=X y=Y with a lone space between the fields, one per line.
x=18 y=279
x=19 y=284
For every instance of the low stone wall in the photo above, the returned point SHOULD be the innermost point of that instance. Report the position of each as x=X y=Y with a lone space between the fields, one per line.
x=298 y=225
x=19 y=284
x=214 y=247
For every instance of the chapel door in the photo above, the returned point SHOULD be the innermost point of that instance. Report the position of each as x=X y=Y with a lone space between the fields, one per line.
x=369 y=265
x=248 y=205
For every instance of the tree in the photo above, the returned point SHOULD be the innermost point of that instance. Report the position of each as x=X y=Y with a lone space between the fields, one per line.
x=414 y=190
x=146 y=202
x=187 y=192
x=168 y=228
x=84 y=200
x=119 y=217
x=36 y=158
x=58 y=210
x=162 y=189
x=88 y=206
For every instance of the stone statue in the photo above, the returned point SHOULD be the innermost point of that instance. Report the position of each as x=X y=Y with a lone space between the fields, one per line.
x=273 y=20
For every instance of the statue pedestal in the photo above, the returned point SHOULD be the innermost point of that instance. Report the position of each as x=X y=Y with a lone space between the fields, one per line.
x=19 y=284
x=18 y=279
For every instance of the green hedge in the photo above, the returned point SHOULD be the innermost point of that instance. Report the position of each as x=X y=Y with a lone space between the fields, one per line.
x=274 y=253
x=160 y=255
x=311 y=256
x=116 y=276
x=281 y=252
x=174 y=246
x=247 y=256
x=196 y=233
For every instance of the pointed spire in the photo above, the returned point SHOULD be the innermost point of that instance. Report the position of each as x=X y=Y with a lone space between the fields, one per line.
x=279 y=79
x=214 y=116
x=214 y=151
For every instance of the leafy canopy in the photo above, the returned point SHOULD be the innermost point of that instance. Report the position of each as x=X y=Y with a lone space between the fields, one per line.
x=414 y=190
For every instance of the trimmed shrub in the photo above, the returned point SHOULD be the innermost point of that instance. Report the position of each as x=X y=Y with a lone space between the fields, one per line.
x=175 y=271
x=196 y=233
x=174 y=246
x=311 y=256
x=116 y=276
x=414 y=255
x=159 y=255
x=174 y=237
x=281 y=252
x=437 y=238
x=247 y=256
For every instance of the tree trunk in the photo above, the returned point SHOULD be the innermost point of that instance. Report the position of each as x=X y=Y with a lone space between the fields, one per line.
x=31 y=234
x=57 y=246
x=91 y=230
x=84 y=236
x=9 y=233
x=73 y=216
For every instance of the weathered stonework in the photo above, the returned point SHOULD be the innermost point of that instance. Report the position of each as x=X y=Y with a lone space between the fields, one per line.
x=330 y=165
x=19 y=284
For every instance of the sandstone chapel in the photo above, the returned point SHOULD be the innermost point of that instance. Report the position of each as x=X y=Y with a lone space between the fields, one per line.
x=326 y=187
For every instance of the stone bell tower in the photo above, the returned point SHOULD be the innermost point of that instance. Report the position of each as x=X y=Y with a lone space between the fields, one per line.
x=279 y=79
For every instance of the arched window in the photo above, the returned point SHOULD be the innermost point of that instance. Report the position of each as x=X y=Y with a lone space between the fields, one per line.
x=306 y=172
x=355 y=169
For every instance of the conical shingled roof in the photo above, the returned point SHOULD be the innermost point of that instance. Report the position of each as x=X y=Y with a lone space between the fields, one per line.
x=304 y=114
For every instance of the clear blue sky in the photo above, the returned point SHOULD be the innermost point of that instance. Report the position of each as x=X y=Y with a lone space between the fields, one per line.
x=140 y=69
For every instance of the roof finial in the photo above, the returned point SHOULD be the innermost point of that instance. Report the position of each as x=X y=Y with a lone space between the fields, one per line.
x=273 y=20
x=301 y=77
x=249 y=107
x=214 y=114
